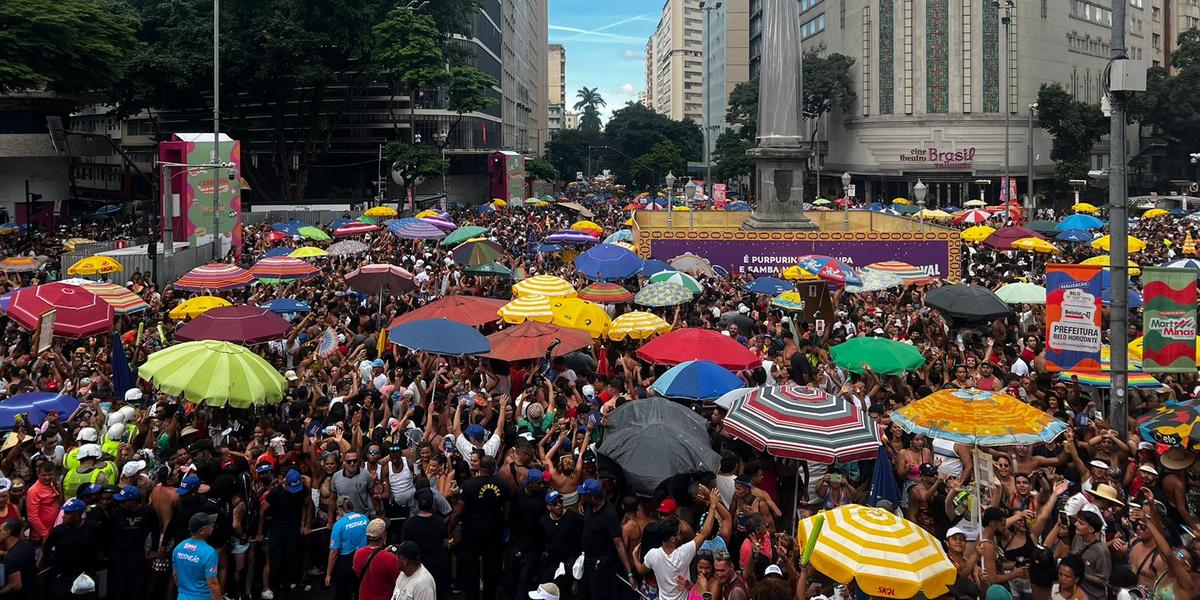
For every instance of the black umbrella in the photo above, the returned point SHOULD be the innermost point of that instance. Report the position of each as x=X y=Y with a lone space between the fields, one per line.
x=745 y=324
x=967 y=302
x=654 y=439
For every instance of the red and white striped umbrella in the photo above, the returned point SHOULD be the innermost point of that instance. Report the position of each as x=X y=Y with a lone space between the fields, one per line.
x=355 y=229
x=975 y=216
x=80 y=313
x=282 y=267
x=806 y=423
x=216 y=277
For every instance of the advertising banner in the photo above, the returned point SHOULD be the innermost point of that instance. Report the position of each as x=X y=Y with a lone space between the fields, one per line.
x=1073 y=313
x=515 y=167
x=1169 y=309
x=718 y=192
x=197 y=199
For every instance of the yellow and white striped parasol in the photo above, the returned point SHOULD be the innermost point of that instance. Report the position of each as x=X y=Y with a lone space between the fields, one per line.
x=527 y=308
x=637 y=325
x=544 y=285
x=888 y=556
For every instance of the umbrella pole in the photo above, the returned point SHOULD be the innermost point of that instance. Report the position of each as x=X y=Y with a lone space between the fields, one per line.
x=796 y=499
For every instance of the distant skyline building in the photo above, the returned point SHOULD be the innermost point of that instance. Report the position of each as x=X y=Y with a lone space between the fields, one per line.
x=726 y=60
x=675 y=62
x=556 y=57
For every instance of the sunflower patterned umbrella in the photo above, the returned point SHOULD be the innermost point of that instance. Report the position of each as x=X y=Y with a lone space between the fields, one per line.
x=637 y=325
x=978 y=418
x=662 y=293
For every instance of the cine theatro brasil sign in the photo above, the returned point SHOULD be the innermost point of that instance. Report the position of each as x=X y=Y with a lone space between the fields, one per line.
x=941 y=159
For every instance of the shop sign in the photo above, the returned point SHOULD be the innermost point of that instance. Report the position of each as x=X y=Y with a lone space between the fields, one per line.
x=941 y=159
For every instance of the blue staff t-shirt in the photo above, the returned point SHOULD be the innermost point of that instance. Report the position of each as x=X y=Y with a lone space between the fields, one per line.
x=349 y=533
x=195 y=562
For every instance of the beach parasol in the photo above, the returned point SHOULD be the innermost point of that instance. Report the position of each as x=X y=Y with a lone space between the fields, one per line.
x=123 y=301
x=1079 y=222
x=1022 y=293
x=768 y=286
x=663 y=293
x=874 y=281
x=312 y=233
x=239 y=324
x=439 y=336
x=417 y=229
x=489 y=269
x=442 y=223
x=308 y=252
x=829 y=269
x=692 y=265
x=544 y=285
x=355 y=229
x=884 y=356
x=476 y=251
x=790 y=300
x=1104 y=260
x=974 y=203
x=620 y=235
x=532 y=339
x=978 y=418
x=696 y=380
x=217 y=277
x=374 y=279
x=795 y=273
x=1105 y=242
x=429 y=212
x=70 y=244
x=280 y=251
x=36 y=406
x=654 y=439
x=589 y=227
x=970 y=302
x=802 y=423
x=576 y=313
x=462 y=234
x=653 y=265
x=1185 y=263
x=691 y=343
x=901 y=201
x=527 y=308
x=934 y=214
x=94 y=265
x=347 y=248
x=1084 y=207
x=977 y=233
x=469 y=310
x=888 y=556
x=1046 y=228
x=284 y=306
x=1103 y=379
x=20 y=264
x=608 y=262
x=1037 y=245
x=679 y=278
x=571 y=236
x=79 y=313
x=283 y=267
x=911 y=275
x=382 y=212
x=214 y=373
x=605 y=293
x=1173 y=425
x=1003 y=238
x=637 y=325
x=1074 y=235
x=194 y=307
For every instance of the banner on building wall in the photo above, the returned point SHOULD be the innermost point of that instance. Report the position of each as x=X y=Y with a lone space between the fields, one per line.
x=1073 y=313
x=198 y=201
x=1169 y=310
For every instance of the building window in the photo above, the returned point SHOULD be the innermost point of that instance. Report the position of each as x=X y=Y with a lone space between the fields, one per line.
x=812 y=27
x=842 y=9
x=1155 y=40
x=1135 y=3
x=1043 y=9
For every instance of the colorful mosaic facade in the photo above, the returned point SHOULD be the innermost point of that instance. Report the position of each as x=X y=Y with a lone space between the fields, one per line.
x=937 y=55
x=991 y=57
x=887 y=56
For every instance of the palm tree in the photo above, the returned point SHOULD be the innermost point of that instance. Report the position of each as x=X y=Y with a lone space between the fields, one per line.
x=589 y=97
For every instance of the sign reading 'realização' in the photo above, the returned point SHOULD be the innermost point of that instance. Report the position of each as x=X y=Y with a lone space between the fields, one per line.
x=941 y=159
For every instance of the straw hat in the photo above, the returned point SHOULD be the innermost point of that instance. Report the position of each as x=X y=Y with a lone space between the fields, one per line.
x=1107 y=492
x=1177 y=459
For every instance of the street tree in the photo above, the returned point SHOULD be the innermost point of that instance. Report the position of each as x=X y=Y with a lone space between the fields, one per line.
x=540 y=168
x=1074 y=126
x=589 y=102
x=407 y=55
x=412 y=161
x=467 y=90
x=730 y=161
x=634 y=130
x=567 y=151
x=650 y=168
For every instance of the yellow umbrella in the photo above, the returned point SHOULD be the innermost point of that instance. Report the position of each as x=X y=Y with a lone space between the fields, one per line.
x=637 y=325
x=629 y=221
x=544 y=285
x=974 y=203
x=1103 y=260
x=499 y=203
x=307 y=252
x=575 y=313
x=1105 y=243
x=794 y=273
x=977 y=233
x=586 y=226
x=428 y=213
x=900 y=201
x=682 y=209
x=94 y=265
x=381 y=212
x=934 y=214
x=1084 y=207
x=538 y=204
x=1155 y=213
x=1032 y=244
x=889 y=556
x=194 y=307
x=625 y=245
x=527 y=308
x=1189 y=245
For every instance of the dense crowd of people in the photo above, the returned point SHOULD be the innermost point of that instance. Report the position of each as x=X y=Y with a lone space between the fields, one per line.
x=390 y=474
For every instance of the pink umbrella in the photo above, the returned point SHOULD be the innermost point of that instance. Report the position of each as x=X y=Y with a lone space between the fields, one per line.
x=373 y=279
x=79 y=313
x=355 y=229
x=239 y=324
x=975 y=216
x=217 y=277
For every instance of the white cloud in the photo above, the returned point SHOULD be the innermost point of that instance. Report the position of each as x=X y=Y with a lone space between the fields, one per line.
x=627 y=88
x=633 y=55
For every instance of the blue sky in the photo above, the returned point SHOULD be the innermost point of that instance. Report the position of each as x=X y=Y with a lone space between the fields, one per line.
x=605 y=41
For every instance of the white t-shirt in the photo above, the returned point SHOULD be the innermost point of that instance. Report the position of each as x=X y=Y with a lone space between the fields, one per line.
x=491 y=447
x=418 y=586
x=1019 y=368
x=669 y=568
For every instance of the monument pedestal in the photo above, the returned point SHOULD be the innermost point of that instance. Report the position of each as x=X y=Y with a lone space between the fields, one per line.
x=780 y=173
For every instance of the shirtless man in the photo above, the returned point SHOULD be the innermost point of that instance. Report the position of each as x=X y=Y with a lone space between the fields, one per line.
x=567 y=473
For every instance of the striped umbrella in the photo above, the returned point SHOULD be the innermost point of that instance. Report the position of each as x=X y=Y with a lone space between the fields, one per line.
x=123 y=301
x=975 y=216
x=20 y=264
x=527 y=308
x=355 y=229
x=367 y=219
x=283 y=267
x=544 y=285
x=805 y=423
x=828 y=268
x=637 y=325
x=347 y=247
x=663 y=293
x=418 y=229
x=571 y=236
x=476 y=251
x=1103 y=380
x=217 y=277
x=889 y=557
x=910 y=274
x=80 y=313
x=679 y=278
x=978 y=418
x=441 y=223
x=606 y=293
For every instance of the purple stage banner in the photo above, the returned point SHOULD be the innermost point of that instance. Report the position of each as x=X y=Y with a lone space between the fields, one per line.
x=937 y=258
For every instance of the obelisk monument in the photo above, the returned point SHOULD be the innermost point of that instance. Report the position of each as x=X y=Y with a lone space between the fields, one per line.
x=779 y=157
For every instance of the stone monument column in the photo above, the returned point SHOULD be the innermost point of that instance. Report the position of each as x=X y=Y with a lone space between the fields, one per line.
x=780 y=158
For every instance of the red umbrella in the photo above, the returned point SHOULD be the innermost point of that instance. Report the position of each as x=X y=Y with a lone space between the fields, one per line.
x=355 y=229
x=1002 y=239
x=239 y=324
x=687 y=344
x=277 y=236
x=217 y=277
x=373 y=279
x=531 y=339
x=282 y=267
x=80 y=313
x=468 y=310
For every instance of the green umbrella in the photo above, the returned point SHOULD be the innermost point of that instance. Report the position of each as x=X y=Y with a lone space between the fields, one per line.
x=1022 y=293
x=491 y=269
x=274 y=281
x=680 y=278
x=368 y=220
x=214 y=373
x=463 y=234
x=313 y=233
x=884 y=356
x=476 y=253
x=1046 y=228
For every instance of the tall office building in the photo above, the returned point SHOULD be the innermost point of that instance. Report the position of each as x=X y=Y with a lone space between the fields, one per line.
x=648 y=98
x=556 y=85
x=675 y=62
x=1168 y=19
x=726 y=60
x=524 y=65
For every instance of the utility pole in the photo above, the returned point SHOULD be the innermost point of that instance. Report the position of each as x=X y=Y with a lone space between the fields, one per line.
x=216 y=180
x=1031 y=205
x=1118 y=230
x=1006 y=18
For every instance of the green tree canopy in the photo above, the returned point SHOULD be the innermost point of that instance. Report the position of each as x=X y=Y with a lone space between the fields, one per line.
x=413 y=161
x=589 y=101
x=634 y=130
x=567 y=151
x=539 y=168
x=729 y=157
x=650 y=168
x=1075 y=127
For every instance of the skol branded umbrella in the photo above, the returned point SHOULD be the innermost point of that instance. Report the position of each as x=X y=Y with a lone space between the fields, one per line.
x=804 y=423
x=214 y=373
x=78 y=312
x=239 y=324
x=217 y=277
x=527 y=308
x=576 y=313
x=978 y=418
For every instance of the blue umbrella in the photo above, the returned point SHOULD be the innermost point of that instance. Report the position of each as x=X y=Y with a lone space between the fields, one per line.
x=951 y=209
x=1135 y=297
x=608 y=262
x=485 y=209
x=1177 y=212
x=280 y=251
x=340 y=222
x=883 y=481
x=123 y=380
x=439 y=336
x=738 y=206
x=1075 y=235
x=37 y=405
x=696 y=380
x=286 y=305
x=1079 y=221
x=1184 y=263
x=622 y=235
x=654 y=265
x=395 y=225
x=875 y=206
x=720 y=271
x=769 y=286
x=108 y=209
x=287 y=228
x=548 y=248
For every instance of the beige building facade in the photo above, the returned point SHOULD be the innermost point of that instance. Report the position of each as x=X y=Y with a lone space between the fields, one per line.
x=675 y=62
x=556 y=85
x=726 y=60
x=524 y=49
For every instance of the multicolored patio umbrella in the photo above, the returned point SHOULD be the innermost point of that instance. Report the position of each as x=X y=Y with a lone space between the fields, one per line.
x=829 y=269
x=1176 y=424
x=978 y=418
x=355 y=229
x=20 y=264
x=418 y=229
x=637 y=325
x=283 y=267
x=544 y=285
x=803 y=423
x=217 y=277
x=678 y=278
x=910 y=274
x=790 y=300
x=571 y=236
x=123 y=301
x=662 y=293
x=476 y=251
x=1103 y=379
x=606 y=293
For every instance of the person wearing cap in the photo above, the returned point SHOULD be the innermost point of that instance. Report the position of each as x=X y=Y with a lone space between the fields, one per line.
x=288 y=510
x=376 y=568
x=602 y=544
x=90 y=470
x=467 y=440
x=415 y=582
x=672 y=561
x=71 y=549
x=1089 y=544
x=195 y=562
x=562 y=531
x=135 y=530
x=349 y=533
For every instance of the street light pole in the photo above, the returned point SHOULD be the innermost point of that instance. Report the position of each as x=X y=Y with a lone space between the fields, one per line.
x=919 y=192
x=670 y=179
x=1118 y=229
x=1006 y=6
x=216 y=119
x=1031 y=204
x=846 y=197
x=707 y=78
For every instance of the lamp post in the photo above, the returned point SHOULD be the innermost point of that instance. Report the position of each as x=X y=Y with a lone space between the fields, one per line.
x=1032 y=204
x=708 y=127
x=919 y=192
x=689 y=194
x=216 y=121
x=670 y=179
x=1076 y=185
x=983 y=183
x=846 y=197
x=1006 y=6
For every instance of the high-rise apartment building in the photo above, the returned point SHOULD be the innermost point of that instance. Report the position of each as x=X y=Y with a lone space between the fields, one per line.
x=524 y=65
x=556 y=86
x=726 y=60
x=1168 y=19
x=675 y=62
